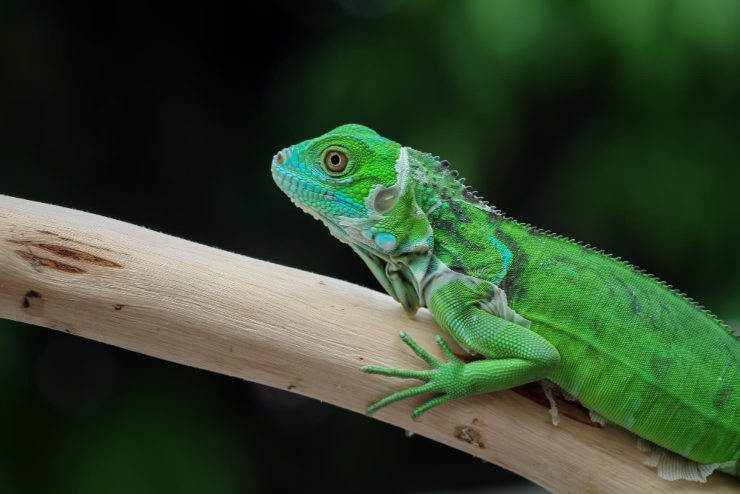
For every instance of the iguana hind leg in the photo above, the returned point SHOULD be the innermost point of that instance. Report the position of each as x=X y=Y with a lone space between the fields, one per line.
x=672 y=466
x=730 y=468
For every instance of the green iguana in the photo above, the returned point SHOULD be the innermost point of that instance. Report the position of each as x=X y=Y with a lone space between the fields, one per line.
x=537 y=306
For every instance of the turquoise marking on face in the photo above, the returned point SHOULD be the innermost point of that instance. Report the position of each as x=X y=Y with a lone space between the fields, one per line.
x=506 y=253
x=354 y=204
x=302 y=182
x=386 y=241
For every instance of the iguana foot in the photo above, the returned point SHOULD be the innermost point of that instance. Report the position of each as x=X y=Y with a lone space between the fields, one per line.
x=443 y=377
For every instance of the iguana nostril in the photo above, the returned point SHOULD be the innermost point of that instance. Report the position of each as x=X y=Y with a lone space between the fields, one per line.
x=281 y=157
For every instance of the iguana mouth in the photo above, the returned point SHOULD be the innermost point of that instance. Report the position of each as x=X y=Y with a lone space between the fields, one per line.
x=298 y=187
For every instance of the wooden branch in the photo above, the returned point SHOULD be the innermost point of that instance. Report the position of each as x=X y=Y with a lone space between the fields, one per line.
x=180 y=301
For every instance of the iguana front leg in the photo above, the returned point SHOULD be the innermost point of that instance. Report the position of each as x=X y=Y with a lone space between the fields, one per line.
x=514 y=354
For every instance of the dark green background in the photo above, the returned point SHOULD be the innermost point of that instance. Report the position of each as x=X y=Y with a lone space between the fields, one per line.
x=613 y=122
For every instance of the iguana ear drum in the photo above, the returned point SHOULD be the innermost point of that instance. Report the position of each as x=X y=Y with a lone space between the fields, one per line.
x=385 y=199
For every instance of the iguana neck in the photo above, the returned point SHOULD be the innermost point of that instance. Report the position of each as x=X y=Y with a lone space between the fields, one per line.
x=436 y=183
x=469 y=236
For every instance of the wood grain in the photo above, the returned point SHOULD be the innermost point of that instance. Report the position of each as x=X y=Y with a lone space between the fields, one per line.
x=180 y=301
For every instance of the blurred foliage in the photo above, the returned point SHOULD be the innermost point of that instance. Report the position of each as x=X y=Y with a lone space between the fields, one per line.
x=612 y=122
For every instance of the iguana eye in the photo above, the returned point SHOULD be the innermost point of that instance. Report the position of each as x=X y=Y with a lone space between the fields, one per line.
x=335 y=161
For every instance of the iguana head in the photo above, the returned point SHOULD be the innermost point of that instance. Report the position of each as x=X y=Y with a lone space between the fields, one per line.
x=355 y=181
x=362 y=187
x=331 y=176
x=358 y=184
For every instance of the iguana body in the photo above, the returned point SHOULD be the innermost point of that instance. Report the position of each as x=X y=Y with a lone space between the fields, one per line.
x=536 y=305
